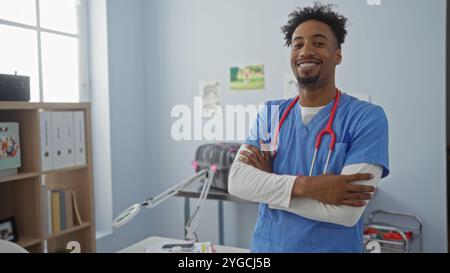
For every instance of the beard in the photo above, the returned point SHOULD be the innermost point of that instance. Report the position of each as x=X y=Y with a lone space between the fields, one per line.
x=308 y=80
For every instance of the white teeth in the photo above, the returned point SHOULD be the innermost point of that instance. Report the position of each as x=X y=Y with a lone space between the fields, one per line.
x=306 y=65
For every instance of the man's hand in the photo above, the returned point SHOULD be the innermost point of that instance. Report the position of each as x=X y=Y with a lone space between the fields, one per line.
x=257 y=159
x=334 y=189
x=329 y=189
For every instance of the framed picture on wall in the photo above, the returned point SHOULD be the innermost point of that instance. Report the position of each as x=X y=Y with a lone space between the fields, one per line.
x=8 y=230
x=247 y=77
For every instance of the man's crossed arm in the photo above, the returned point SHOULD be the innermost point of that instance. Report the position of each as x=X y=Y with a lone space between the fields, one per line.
x=339 y=199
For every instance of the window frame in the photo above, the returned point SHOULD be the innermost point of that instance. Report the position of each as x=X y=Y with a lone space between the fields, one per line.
x=83 y=74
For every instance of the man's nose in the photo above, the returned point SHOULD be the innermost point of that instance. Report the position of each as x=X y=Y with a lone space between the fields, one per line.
x=306 y=51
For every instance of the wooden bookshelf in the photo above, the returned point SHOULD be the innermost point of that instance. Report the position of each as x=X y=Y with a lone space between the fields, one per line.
x=20 y=176
x=69 y=230
x=22 y=195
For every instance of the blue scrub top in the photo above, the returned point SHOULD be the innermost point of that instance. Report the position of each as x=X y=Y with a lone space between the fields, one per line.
x=361 y=130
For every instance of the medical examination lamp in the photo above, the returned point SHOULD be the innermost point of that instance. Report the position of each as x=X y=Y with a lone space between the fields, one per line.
x=206 y=175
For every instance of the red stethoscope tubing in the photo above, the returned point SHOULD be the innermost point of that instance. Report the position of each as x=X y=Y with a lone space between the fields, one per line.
x=327 y=130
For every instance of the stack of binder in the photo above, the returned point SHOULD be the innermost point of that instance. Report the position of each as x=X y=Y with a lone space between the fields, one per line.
x=62 y=139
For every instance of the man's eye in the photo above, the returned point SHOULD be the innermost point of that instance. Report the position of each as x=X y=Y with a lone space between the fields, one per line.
x=297 y=46
x=320 y=44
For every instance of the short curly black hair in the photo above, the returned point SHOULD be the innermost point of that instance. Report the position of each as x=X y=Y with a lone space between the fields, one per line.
x=320 y=12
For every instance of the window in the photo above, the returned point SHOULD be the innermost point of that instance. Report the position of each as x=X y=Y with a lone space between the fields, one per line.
x=43 y=39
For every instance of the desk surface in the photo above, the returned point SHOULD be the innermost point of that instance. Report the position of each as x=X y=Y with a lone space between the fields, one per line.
x=153 y=245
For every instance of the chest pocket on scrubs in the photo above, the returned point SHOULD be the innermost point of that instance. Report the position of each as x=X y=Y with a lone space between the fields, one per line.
x=338 y=158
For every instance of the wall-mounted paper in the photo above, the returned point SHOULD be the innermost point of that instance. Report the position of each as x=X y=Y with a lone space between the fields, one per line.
x=210 y=92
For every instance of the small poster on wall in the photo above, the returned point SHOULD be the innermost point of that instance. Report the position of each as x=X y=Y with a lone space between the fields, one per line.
x=210 y=92
x=247 y=77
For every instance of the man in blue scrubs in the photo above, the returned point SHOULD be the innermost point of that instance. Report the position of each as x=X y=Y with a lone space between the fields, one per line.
x=317 y=213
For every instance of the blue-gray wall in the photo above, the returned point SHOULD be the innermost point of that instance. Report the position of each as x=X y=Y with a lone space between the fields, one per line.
x=159 y=50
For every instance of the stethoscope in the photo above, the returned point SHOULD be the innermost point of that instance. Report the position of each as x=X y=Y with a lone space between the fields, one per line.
x=327 y=130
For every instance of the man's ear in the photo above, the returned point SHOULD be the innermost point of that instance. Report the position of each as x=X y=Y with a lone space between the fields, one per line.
x=338 y=57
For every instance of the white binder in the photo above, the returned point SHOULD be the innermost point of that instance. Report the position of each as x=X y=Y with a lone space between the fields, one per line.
x=58 y=140
x=69 y=140
x=63 y=139
x=80 y=145
x=46 y=140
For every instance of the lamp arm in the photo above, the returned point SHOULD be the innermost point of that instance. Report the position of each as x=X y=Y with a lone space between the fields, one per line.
x=192 y=224
x=155 y=201
x=129 y=213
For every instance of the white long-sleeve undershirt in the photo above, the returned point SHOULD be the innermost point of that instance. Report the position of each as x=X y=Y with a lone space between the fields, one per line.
x=250 y=183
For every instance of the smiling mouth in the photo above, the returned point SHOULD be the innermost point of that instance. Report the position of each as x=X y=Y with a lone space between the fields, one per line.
x=308 y=66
